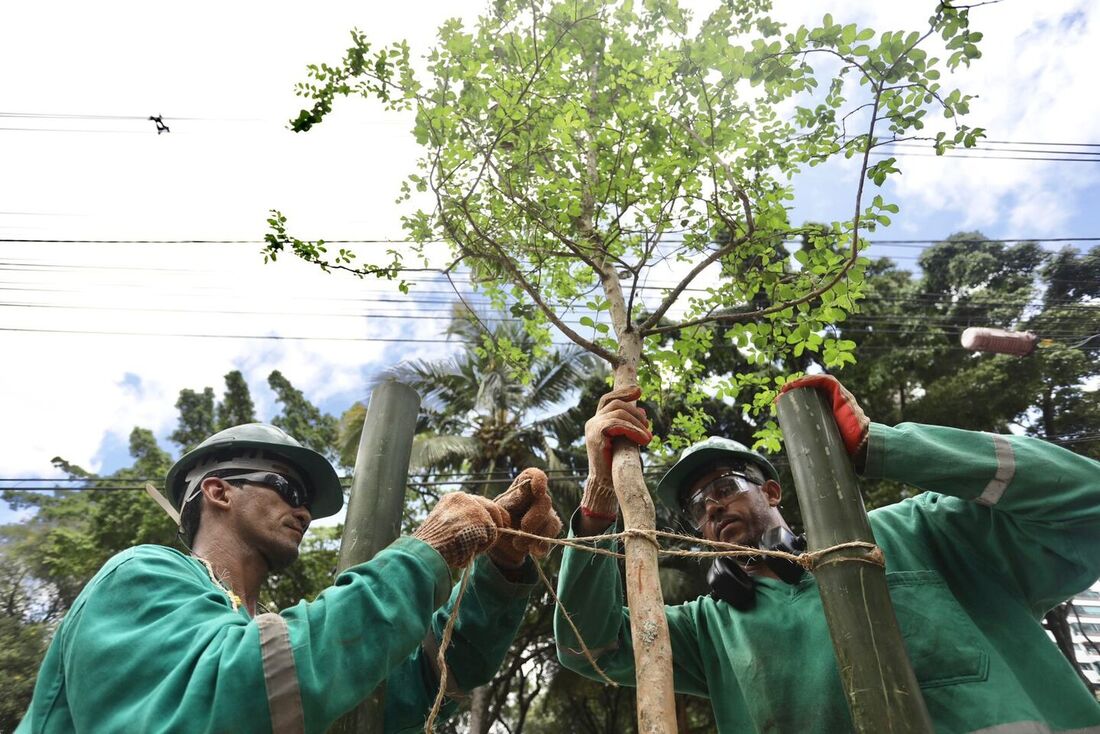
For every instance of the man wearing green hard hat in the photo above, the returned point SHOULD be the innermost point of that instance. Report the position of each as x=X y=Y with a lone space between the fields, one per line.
x=160 y=640
x=1006 y=527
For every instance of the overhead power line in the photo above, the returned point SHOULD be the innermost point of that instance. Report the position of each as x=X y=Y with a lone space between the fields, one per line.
x=1032 y=142
x=722 y=346
x=982 y=148
x=143 y=118
x=78 y=116
x=894 y=318
x=266 y=337
x=986 y=157
x=139 y=484
x=71 y=130
x=401 y=241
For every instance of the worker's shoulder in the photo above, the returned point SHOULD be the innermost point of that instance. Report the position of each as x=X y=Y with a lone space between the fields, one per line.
x=130 y=575
x=144 y=561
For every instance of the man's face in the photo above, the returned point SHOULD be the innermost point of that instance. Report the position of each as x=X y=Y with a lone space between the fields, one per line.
x=265 y=521
x=739 y=517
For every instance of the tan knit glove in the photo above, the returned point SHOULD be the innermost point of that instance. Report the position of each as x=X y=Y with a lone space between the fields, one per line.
x=461 y=526
x=529 y=509
x=616 y=416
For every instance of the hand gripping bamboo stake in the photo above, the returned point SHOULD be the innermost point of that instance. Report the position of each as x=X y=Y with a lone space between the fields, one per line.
x=882 y=692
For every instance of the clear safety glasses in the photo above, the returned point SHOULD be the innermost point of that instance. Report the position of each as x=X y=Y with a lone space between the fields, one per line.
x=717 y=490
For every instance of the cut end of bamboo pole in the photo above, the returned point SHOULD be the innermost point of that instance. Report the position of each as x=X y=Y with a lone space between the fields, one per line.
x=999 y=341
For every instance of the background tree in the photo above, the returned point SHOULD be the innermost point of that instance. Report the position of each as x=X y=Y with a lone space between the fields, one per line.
x=236 y=406
x=479 y=416
x=909 y=327
x=302 y=419
x=564 y=141
x=25 y=621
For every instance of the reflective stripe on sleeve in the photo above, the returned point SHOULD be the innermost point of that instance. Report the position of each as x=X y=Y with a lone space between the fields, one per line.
x=284 y=700
x=1033 y=727
x=1006 y=469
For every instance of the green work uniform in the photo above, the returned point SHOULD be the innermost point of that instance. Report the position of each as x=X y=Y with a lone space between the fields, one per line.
x=1009 y=527
x=152 y=644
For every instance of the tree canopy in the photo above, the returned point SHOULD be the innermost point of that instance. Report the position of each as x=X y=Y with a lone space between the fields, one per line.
x=574 y=149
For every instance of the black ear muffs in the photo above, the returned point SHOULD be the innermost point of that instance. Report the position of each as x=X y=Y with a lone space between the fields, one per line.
x=781 y=539
x=729 y=582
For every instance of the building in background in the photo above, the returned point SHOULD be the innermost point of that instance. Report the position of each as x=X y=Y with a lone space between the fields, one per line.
x=1084 y=625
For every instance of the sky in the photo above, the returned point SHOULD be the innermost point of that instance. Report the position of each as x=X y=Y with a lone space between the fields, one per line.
x=223 y=75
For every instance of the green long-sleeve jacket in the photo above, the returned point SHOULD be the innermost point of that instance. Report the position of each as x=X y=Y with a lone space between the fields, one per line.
x=1009 y=527
x=152 y=644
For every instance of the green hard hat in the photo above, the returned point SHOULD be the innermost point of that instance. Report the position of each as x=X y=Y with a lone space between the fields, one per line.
x=316 y=471
x=698 y=456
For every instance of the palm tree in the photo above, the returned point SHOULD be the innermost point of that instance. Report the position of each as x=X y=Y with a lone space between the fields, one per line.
x=479 y=417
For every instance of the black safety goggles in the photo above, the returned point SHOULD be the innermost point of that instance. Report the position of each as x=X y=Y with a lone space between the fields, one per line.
x=293 y=493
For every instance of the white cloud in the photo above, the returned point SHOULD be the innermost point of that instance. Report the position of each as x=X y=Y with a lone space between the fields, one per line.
x=1032 y=84
x=65 y=393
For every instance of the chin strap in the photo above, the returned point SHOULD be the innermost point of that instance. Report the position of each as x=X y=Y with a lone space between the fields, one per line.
x=729 y=582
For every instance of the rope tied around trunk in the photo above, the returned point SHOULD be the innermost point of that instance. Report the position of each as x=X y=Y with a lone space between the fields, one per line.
x=809 y=560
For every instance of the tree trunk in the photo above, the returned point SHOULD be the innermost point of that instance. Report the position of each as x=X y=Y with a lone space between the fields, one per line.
x=648 y=626
x=1048 y=413
x=882 y=692
x=1057 y=622
x=480 y=700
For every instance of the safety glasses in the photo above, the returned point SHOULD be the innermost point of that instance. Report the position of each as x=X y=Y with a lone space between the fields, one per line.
x=717 y=490
x=293 y=493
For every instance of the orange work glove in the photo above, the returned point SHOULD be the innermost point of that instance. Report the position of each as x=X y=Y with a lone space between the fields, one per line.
x=616 y=416
x=850 y=418
x=529 y=509
x=461 y=526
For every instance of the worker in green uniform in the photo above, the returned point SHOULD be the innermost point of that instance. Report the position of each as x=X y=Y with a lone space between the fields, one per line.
x=1006 y=528
x=162 y=641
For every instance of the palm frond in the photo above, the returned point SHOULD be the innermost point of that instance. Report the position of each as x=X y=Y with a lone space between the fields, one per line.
x=431 y=451
x=558 y=375
x=440 y=383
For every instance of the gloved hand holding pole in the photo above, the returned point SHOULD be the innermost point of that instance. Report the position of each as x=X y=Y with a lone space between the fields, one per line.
x=616 y=417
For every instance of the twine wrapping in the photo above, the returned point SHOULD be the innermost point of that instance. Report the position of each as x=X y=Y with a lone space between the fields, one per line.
x=441 y=657
x=808 y=560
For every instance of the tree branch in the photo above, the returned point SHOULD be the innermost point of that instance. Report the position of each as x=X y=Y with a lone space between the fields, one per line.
x=851 y=261
x=750 y=227
x=519 y=279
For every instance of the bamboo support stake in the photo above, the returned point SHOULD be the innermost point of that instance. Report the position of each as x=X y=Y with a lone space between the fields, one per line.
x=882 y=691
x=648 y=624
x=375 y=507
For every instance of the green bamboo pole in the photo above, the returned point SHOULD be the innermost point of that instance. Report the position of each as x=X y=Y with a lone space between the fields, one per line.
x=882 y=691
x=375 y=506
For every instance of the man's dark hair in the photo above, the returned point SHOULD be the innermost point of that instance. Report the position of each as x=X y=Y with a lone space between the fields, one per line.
x=192 y=512
x=189 y=520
